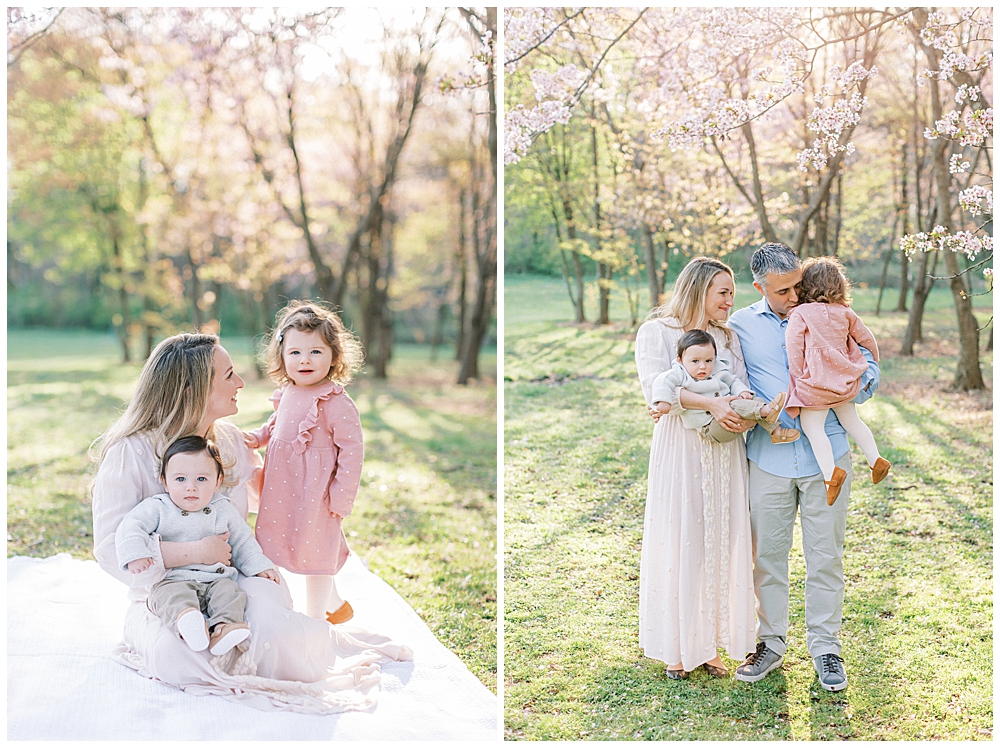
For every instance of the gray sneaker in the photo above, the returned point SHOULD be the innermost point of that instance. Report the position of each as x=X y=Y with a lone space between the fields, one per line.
x=759 y=664
x=830 y=669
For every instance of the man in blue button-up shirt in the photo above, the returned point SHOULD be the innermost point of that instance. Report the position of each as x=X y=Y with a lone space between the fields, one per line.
x=785 y=478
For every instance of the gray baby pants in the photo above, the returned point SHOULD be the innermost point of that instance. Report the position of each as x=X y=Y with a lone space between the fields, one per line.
x=222 y=600
x=748 y=409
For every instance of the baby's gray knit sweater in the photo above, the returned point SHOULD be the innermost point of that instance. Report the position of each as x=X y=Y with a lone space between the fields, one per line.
x=719 y=384
x=160 y=515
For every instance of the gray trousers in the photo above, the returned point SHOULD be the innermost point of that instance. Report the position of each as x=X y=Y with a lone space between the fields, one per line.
x=222 y=600
x=748 y=409
x=773 y=505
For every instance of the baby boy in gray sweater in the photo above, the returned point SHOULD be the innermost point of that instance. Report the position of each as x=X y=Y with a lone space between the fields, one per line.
x=191 y=510
x=695 y=371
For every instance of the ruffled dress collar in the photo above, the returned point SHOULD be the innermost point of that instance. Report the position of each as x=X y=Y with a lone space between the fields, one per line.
x=320 y=392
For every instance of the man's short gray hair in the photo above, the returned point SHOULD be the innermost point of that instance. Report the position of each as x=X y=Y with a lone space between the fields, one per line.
x=773 y=257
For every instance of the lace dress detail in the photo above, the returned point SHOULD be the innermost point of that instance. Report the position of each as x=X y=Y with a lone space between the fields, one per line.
x=696 y=574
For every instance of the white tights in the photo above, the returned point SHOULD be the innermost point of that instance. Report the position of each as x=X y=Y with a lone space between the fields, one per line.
x=813 y=421
x=321 y=596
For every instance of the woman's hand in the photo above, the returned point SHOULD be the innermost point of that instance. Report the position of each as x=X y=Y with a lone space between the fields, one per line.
x=269 y=574
x=215 y=549
x=251 y=441
x=724 y=414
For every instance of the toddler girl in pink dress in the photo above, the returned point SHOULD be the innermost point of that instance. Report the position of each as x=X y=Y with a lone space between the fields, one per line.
x=825 y=365
x=312 y=467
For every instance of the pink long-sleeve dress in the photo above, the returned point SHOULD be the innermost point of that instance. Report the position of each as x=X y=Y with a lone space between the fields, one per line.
x=825 y=363
x=312 y=471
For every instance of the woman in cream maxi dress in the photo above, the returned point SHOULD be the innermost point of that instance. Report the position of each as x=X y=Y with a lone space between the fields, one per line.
x=696 y=579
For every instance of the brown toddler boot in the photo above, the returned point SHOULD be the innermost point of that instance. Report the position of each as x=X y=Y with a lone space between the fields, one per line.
x=776 y=405
x=225 y=636
x=880 y=469
x=341 y=615
x=784 y=436
x=834 y=485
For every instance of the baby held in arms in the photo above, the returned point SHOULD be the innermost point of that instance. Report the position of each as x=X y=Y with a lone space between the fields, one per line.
x=191 y=472
x=695 y=371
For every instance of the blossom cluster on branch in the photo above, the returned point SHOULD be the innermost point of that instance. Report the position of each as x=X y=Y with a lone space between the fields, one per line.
x=977 y=200
x=939 y=238
x=966 y=128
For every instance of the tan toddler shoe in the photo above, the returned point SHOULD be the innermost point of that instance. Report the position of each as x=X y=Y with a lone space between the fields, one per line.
x=784 y=436
x=226 y=636
x=341 y=615
x=776 y=405
x=834 y=485
x=880 y=469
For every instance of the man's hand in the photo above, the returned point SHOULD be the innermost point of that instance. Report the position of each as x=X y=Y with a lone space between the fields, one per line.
x=139 y=565
x=724 y=414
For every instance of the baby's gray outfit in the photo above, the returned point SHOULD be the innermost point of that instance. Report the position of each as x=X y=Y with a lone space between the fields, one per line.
x=211 y=588
x=718 y=384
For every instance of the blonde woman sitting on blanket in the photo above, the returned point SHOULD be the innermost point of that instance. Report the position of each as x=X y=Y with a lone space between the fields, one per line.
x=292 y=662
x=696 y=584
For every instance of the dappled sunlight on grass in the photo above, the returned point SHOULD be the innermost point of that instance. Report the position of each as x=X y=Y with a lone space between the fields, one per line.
x=917 y=629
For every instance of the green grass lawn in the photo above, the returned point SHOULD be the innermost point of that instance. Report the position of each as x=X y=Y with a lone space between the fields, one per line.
x=917 y=630
x=424 y=520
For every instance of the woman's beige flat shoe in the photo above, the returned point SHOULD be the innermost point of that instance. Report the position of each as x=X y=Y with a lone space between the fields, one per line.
x=715 y=671
x=341 y=615
x=677 y=674
x=880 y=469
x=784 y=436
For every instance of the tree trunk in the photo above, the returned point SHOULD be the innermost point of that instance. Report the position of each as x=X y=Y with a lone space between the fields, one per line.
x=838 y=216
x=119 y=265
x=968 y=375
x=577 y=265
x=603 y=271
x=833 y=167
x=562 y=252
x=885 y=274
x=462 y=254
x=654 y=284
x=904 y=209
x=487 y=260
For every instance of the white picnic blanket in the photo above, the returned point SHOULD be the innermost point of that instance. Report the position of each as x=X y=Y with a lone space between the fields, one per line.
x=65 y=615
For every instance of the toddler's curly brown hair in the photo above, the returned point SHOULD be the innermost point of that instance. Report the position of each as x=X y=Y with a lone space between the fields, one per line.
x=309 y=316
x=824 y=282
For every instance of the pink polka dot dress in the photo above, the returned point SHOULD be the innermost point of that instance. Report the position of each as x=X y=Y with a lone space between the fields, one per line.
x=312 y=470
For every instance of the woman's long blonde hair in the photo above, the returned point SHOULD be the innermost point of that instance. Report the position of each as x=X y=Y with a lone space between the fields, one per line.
x=687 y=305
x=171 y=397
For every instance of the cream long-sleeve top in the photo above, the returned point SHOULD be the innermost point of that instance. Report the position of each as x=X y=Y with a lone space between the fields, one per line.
x=720 y=383
x=158 y=514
